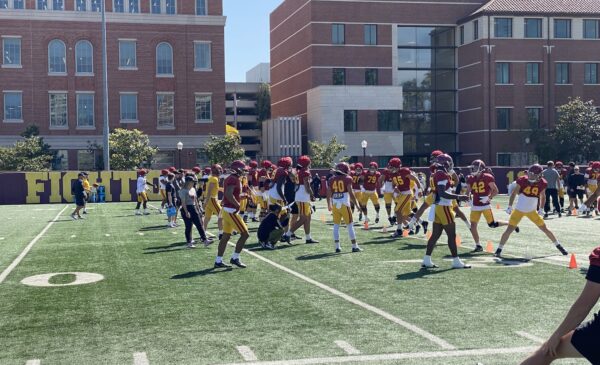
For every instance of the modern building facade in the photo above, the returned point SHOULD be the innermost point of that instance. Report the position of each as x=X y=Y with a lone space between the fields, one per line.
x=476 y=77
x=241 y=114
x=165 y=73
x=260 y=73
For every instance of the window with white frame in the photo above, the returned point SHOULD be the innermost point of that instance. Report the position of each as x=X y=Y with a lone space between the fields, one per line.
x=58 y=110
x=50 y=4
x=84 y=57
x=12 y=4
x=13 y=106
x=81 y=5
x=96 y=5
x=61 y=160
x=127 y=54
x=3 y=4
x=171 y=7
x=134 y=6
x=203 y=108
x=58 y=4
x=163 y=7
x=119 y=6
x=164 y=59
x=165 y=110
x=88 y=5
x=57 y=57
x=11 y=51
x=202 y=55
x=85 y=109
x=42 y=5
x=129 y=106
x=201 y=8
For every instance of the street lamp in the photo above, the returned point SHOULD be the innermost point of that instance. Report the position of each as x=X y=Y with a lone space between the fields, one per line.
x=179 y=148
x=364 y=144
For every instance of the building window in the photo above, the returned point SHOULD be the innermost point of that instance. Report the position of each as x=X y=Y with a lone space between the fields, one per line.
x=591 y=29
x=370 y=34
x=475 y=30
x=58 y=5
x=85 y=110
x=42 y=5
x=61 y=160
x=533 y=73
x=533 y=117
x=388 y=120
x=202 y=56
x=57 y=57
x=462 y=34
x=371 y=76
x=203 y=108
x=562 y=73
x=127 y=54
x=18 y=4
x=50 y=5
x=13 y=106
x=85 y=160
x=591 y=73
x=165 y=110
x=533 y=28
x=11 y=52
x=3 y=4
x=350 y=120
x=164 y=59
x=503 y=118
x=338 y=34
x=163 y=159
x=155 y=6
x=126 y=6
x=502 y=73
x=81 y=5
x=503 y=27
x=84 y=57
x=201 y=7
x=503 y=159
x=129 y=106
x=97 y=5
x=339 y=76
x=58 y=110
x=562 y=28
x=163 y=7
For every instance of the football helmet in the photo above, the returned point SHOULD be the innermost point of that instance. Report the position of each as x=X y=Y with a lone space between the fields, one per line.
x=343 y=168
x=534 y=173
x=477 y=167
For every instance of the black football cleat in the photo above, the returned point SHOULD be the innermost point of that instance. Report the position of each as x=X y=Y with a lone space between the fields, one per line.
x=425 y=225
x=423 y=266
x=478 y=248
x=286 y=239
x=376 y=220
x=220 y=236
x=356 y=249
x=562 y=250
x=237 y=263
x=338 y=250
x=498 y=253
x=517 y=229
x=294 y=237
x=417 y=229
x=311 y=241
x=411 y=233
x=219 y=265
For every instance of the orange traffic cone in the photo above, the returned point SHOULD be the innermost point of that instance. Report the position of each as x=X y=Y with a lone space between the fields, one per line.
x=574 y=212
x=366 y=226
x=405 y=233
x=498 y=206
x=490 y=247
x=573 y=262
x=428 y=235
x=458 y=240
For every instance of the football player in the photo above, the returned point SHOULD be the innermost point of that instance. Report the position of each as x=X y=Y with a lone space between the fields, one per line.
x=564 y=173
x=276 y=194
x=429 y=199
x=211 y=198
x=303 y=198
x=444 y=214
x=370 y=183
x=592 y=200
x=386 y=180
x=232 y=221
x=339 y=196
x=403 y=195
x=253 y=187
x=162 y=181
x=264 y=179
x=357 y=180
x=482 y=188
x=142 y=197
x=530 y=189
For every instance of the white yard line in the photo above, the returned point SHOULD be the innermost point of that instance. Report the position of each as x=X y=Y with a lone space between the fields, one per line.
x=348 y=348
x=33 y=362
x=531 y=337
x=247 y=353
x=397 y=356
x=24 y=253
x=140 y=358
x=409 y=326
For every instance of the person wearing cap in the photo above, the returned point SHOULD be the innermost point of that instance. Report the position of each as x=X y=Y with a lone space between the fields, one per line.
x=87 y=190
x=162 y=180
x=190 y=212
x=79 y=194
x=270 y=230
x=142 y=197
x=573 y=338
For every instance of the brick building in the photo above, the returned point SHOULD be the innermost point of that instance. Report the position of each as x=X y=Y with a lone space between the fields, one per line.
x=471 y=77
x=165 y=73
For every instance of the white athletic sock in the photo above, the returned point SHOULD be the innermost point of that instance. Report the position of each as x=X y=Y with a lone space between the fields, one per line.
x=235 y=256
x=351 y=232
x=337 y=245
x=501 y=246
x=252 y=215
x=427 y=260
x=477 y=244
x=308 y=237
x=456 y=260
x=220 y=231
x=355 y=245
x=219 y=259
x=336 y=232
x=557 y=243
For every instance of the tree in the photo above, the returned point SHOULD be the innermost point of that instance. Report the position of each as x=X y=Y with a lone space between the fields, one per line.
x=323 y=155
x=577 y=131
x=224 y=149
x=29 y=154
x=263 y=102
x=129 y=149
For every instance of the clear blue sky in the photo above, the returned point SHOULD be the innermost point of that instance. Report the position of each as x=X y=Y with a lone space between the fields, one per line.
x=246 y=35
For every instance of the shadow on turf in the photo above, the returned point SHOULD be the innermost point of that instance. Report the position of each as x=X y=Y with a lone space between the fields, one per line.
x=177 y=246
x=321 y=256
x=154 y=228
x=193 y=274
x=420 y=274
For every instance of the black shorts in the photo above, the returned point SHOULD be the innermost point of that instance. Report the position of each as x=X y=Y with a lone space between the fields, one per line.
x=586 y=339
x=80 y=201
x=294 y=209
x=573 y=193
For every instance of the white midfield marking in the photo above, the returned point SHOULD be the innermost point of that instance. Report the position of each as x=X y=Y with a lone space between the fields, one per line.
x=246 y=353
x=107 y=235
x=73 y=236
x=397 y=356
x=531 y=337
x=33 y=362
x=24 y=253
x=140 y=358
x=140 y=233
x=350 y=350
x=1 y=238
x=409 y=326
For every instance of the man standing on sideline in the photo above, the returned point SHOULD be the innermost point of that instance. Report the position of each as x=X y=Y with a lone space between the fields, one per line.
x=552 y=177
x=575 y=189
x=87 y=190
x=142 y=197
x=79 y=194
x=232 y=221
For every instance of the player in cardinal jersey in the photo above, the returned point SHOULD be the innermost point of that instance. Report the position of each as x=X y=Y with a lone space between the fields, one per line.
x=357 y=181
x=211 y=198
x=232 y=221
x=482 y=188
x=264 y=179
x=339 y=196
x=370 y=183
x=303 y=198
x=252 y=190
x=444 y=214
x=530 y=189
x=592 y=196
x=429 y=199
x=403 y=195
x=386 y=180
x=564 y=173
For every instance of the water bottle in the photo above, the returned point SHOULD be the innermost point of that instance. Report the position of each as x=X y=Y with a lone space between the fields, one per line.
x=101 y=194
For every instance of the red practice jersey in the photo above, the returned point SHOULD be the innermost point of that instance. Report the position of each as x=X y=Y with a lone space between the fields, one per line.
x=371 y=181
x=480 y=187
x=232 y=180
x=340 y=185
x=355 y=180
x=303 y=175
x=253 y=178
x=529 y=189
x=401 y=180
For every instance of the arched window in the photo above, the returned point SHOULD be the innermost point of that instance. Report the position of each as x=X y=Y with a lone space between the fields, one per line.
x=84 y=57
x=164 y=59
x=57 y=57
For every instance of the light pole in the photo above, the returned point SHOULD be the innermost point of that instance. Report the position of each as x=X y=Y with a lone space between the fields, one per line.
x=179 y=149
x=364 y=145
x=106 y=129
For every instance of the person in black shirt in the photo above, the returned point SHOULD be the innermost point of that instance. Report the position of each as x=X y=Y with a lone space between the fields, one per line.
x=289 y=190
x=79 y=194
x=171 y=200
x=575 y=188
x=271 y=229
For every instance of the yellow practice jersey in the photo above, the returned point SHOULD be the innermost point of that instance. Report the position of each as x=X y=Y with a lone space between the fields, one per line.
x=86 y=185
x=214 y=182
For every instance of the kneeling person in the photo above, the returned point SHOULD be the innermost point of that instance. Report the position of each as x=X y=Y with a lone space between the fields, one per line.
x=271 y=229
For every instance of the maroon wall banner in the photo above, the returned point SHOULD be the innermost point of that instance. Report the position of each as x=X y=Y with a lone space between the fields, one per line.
x=120 y=186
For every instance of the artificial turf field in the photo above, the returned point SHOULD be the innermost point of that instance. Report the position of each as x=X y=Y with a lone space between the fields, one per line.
x=160 y=303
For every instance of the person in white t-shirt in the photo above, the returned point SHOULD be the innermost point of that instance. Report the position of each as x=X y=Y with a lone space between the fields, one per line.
x=142 y=197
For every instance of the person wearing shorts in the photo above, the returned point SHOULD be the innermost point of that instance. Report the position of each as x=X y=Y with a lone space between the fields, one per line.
x=79 y=194
x=339 y=197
